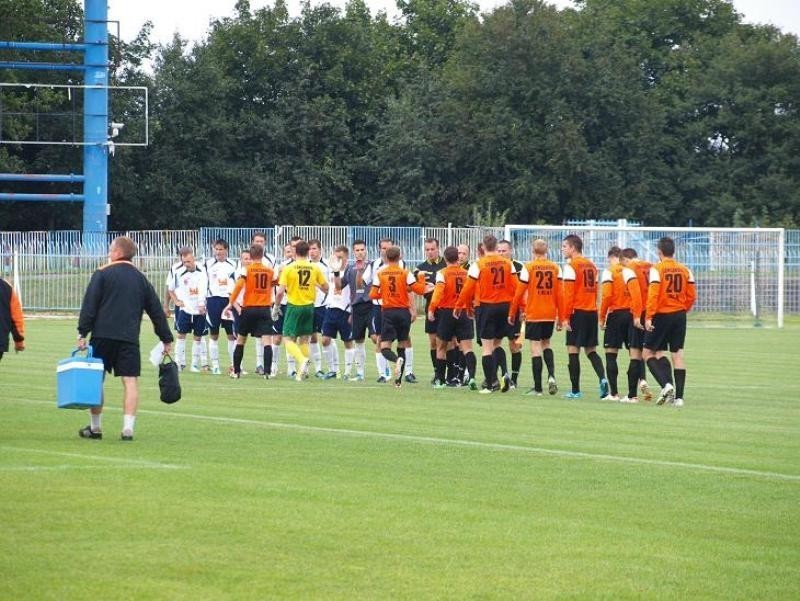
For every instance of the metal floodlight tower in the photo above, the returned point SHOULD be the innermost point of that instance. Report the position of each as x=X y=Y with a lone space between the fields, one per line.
x=95 y=117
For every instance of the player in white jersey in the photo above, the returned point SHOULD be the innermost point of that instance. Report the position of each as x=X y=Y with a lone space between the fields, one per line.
x=268 y=259
x=188 y=291
x=337 y=317
x=320 y=308
x=220 y=270
x=167 y=296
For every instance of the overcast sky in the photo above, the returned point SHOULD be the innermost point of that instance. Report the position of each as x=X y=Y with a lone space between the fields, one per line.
x=191 y=17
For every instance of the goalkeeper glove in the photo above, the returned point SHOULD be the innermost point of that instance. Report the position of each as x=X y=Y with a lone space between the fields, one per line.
x=276 y=312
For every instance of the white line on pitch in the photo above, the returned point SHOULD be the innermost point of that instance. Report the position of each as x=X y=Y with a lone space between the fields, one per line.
x=68 y=466
x=119 y=460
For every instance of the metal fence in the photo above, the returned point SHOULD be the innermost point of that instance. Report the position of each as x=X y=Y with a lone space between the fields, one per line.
x=53 y=267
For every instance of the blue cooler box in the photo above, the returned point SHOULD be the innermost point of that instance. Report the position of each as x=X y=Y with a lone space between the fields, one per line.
x=79 y=381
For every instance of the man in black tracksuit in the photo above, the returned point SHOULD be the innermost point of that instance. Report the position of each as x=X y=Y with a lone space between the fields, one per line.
x=112 y=308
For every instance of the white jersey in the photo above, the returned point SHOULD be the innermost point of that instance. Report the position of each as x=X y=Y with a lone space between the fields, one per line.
x=322 y=297
x=220 y=277
x=278 y=269
x=191 y=287
x=172 y=272
x=337 y=299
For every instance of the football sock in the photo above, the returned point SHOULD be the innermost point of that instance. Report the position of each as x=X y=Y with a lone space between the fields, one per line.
x=408 y=364
x=180 y=351
x=196 y=344
x=547 y=355
x=536 y=367
x=642 y=370
x=276 y=358
x=231 y=348
x=259 y=353
x=291 y=364
x=470 y=363
x=489 y=369
x=452 y=363
x=666 y=367
x=128 y=423
x=295 y=351
x=597 y=364
x=203 y=352
x=349 y=359
x=316 y=356
x=238 y=353
x=213 y=351
x=267 y=359
x=634 y=369
x=402 y=353
x=574 y=367
x=433 y=358
x=97 y=420
x=500 y=360
x=441 y=370
x=613 y=372
x=516 y=364
x=380 y=364
x=680 y=382
x=360 y=358
x=655 y=369
x=389 y=355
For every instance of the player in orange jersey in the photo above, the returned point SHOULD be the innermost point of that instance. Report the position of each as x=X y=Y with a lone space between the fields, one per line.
x=449 y=283
x=506 y=249
x=11 y=319
x=392 y=284
x=637 y=373
x=620 y=312
x=257 y=281
x=580 y=314
x=670 y=296
x=542 y=281
x=492 y=278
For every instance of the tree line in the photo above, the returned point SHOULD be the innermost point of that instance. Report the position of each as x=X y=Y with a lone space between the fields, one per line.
x=665 y=112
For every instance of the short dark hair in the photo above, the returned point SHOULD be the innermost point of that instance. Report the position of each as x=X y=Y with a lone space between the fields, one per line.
x=489 y=243
x=382 y=240
x=342 y=249
x=504 y=241
x=295 y=239
x=575 y=242
x=258 y=233
x=301 y=248
x=432 y=241
x=615 y=251
x=667 y=246
x=629 y=253
x=222 y=243
x=126 y=246
x=451 y=254
x=315 y=242
x=256 y=251
x=393 y=253
x=359 y=241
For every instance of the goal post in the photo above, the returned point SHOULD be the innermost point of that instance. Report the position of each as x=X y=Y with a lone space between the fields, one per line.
x=739 y=271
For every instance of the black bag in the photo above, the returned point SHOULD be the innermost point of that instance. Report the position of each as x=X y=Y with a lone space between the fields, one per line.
x=168 y=382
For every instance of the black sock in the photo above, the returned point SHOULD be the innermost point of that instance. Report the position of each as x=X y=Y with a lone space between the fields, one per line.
x=433 y=358
x=655 y=368
x=597 y=364
x=642 y=369
x=574 y=367
x=390 y=356
x=452 y=364
x=516 y=364
x=267 y=359
x=489 y=369
x=471 y=363
x=634 y=369
x=666 y=367
x=238 y=353
x=441 y=367
x=500 y=358
x=613 y=372
x=680 y=382
x=547 y=354
x=536 y=366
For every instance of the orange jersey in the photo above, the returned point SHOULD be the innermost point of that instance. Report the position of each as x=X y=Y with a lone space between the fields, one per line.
x=492 y=278
x=620 y=291
x=449 y=283
x=542 y=281
x=642 y=270
x=580 y=286
x=393 y=285
x=672 y=288
x=257 y=282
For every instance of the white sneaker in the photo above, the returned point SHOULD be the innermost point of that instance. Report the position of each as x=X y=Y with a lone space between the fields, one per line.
x=629 y=399
x=677 y=403
x=611 y=397
x=215 y=370
x=194 y=369
x=644 y=390
x=667 y=395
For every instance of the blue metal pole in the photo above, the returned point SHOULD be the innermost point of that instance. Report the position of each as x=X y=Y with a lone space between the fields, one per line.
x=33 y=66
x=40 y=177
x=42 y=46
x=41 y=197
x=95 y=121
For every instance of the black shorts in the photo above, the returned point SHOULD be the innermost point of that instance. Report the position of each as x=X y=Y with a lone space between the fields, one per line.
x=431 y=327
x=618 y=329
x=448 y=326
x=337 y=322
x=395 y=325
x=513 y=331
x=277 y=326
x=584 y=329
x=669 y=332
x=492 y=321
x=122 y=357
x=255 y=321
x=376 y=322
x=362 y=316
x=539 y=330
x=196 y=325
x=214 y=307
x=636 y=336
x=319 y=318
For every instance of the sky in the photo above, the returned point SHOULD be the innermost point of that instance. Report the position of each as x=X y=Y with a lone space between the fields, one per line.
x=191 y=17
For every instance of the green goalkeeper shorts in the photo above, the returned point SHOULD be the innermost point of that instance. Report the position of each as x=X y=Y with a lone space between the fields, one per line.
x=298 y=321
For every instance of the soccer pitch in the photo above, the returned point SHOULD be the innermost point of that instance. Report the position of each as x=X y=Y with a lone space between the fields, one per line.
x=256 y=489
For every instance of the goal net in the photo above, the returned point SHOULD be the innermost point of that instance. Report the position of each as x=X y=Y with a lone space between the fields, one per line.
x=739 y=271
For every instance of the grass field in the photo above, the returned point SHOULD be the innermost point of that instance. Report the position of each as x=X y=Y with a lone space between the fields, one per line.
x=258 y=490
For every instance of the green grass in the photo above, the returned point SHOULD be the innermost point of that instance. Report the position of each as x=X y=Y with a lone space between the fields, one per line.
x=256 y=490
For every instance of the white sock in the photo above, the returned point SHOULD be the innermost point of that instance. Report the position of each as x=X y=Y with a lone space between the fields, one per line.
x=291 y=364
x=96 y=421
x=316 y=356
x=231 y=348
x=275 y=359
x=334 y=365
x=409 y=363
x=180 y=351
x=196 y=344
x=349 y=356
x=128 y=421
x=382 y=363
x=360 y=358
x=259 y=353
x=213 y=352
x=203 y=352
